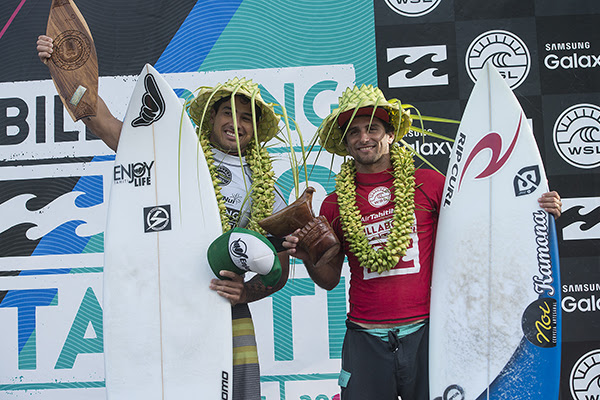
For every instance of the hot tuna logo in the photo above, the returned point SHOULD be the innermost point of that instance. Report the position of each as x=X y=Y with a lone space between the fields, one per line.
x=238 y=252
x=153 y=104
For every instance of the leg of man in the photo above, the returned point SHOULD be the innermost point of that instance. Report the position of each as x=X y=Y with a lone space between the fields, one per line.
x=413 y=365
x=368 y=366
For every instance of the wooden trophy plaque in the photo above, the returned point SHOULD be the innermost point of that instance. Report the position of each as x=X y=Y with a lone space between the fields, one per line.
x=74 y=64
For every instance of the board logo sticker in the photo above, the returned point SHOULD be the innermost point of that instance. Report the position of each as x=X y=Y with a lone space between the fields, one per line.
x=380 y=196
x=539 y=322
x=137 y=174
x=585 y=376
x=224 y=385
x=153 y=104
x=452 y=392
x=492 y=141
x=527 y=180
x=577 y=135
x=542 y=284
x=505 y=50
x=157 y=219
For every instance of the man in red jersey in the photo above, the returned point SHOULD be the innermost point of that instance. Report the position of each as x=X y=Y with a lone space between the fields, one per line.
x=385 y=213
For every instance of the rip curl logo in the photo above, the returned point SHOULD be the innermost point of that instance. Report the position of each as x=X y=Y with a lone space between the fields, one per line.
x=577 y=135
x=238 y=249
x=527 y=180
x=157 y=219
x=153 y=104
x=505 y=50
x=493 y=142
x=413 y=8
x=379 y=196
x=584 y=381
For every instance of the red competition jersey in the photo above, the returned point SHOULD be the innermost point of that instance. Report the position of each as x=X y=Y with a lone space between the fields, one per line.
x=401 y=294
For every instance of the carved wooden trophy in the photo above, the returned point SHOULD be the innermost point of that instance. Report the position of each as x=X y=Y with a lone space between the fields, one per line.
x=74 y=64
x=316 y=236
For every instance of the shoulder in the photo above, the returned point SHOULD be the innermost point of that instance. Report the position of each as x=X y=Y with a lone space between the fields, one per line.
x=430 y=178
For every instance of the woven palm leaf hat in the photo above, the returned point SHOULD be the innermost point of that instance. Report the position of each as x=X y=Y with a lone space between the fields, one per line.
x=200 y=107
x=355 y=101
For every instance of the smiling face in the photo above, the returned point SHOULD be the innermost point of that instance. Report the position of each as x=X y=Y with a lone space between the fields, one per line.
x=223 y=132
x=369 y=144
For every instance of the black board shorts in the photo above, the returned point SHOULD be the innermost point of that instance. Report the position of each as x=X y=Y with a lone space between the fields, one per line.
x=373 y=368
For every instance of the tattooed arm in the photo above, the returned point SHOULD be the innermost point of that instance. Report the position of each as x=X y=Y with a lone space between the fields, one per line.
x=237 y=291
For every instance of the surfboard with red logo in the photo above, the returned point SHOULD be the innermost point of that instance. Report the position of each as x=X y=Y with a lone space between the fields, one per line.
x=167 y=336
x=495 y=306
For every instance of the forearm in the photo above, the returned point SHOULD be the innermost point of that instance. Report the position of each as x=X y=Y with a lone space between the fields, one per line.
x=105 y=125
x=256 y=290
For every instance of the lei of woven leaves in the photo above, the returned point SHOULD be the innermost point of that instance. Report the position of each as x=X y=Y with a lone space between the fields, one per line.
x=398 y=239
x=262 y=189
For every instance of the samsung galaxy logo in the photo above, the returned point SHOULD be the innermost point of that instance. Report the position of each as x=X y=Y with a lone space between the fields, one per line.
x=413 y=8
x=567 y=46
x=577 y=135
x=505 y=50
x=572 y=61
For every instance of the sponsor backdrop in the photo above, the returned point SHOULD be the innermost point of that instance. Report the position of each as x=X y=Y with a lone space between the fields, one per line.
x=55 y=176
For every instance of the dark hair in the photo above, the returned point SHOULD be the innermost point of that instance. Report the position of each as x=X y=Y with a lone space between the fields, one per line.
x=386 y=126
x=242 y=98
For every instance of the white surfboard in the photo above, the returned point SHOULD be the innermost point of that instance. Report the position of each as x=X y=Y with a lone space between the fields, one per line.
x=166 y=334
x=495 y=314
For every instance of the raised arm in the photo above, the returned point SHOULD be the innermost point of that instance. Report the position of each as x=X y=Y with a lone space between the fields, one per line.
x=104 y=124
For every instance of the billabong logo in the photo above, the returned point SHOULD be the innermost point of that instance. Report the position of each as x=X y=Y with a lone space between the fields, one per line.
x=157 y=219
x=505 y=50
x=420 y=66
x=527 y=180
x=413 y=8
x=585 y=377
x=153 y=104
x=51 y=216
x=577 y=135
x=238 y=250
x=583 y=216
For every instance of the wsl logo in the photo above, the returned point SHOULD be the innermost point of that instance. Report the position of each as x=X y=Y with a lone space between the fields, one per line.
x=577 y=135
x=420 y=66
x=413 y=8
x=585 y=377
x=505 y=50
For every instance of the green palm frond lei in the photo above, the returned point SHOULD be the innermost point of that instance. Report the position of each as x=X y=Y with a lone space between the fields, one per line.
x=398 y=239
x=262 y=189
